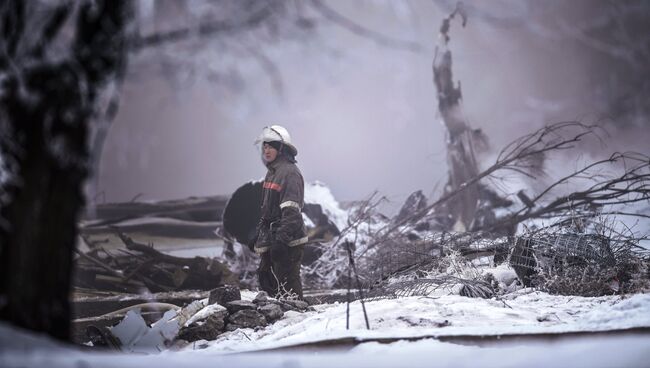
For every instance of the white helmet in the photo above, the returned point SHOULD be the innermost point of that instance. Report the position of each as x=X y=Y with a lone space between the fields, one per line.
x=276 y=133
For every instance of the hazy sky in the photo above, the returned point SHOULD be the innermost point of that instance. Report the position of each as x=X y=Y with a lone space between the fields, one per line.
x=363 y=116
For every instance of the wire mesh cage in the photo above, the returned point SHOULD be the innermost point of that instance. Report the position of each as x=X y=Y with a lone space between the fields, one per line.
x=555 y=253
x=528 y=252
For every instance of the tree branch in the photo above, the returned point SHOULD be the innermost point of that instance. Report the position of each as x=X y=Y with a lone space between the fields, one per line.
x=204 y=29
x=335 y=17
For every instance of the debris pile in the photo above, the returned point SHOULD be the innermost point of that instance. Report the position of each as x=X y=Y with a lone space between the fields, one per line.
x=141 y=268
x=415 y=259
x=373 y=256
x=203 y=319
x=555 y=260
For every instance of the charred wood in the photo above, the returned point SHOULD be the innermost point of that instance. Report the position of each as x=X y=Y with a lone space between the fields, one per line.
x=201 y=209
x=145 y=268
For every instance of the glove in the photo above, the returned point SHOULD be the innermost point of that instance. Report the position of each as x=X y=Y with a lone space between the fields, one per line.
x=263 y=240
x=279 y=252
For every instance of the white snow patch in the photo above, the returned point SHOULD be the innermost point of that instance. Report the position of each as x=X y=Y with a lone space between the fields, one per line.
x=503 y=273
x=319 y=193
x=205 y=313
x=525 y=312
x=627 y=313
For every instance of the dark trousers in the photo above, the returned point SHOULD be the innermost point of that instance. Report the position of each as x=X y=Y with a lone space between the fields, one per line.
x=285 y=271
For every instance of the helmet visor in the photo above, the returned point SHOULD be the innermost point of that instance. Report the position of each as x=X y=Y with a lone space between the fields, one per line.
x=268 y=135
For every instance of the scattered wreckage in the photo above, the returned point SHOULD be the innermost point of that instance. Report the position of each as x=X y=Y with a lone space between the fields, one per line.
x=202 y=319
x=124 y=296
x=117 y=251
x=120 y=265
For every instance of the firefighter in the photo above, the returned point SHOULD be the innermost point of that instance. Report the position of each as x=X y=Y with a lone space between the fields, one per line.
x=281 y=235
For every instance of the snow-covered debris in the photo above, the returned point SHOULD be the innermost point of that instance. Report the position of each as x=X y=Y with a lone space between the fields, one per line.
x=201 y=321
x=272 y=312
x=224 y=294
x=136 y=337
x=318 y=193
x=239 y=305
x=504 y=275
x=205 y=313
x=190 y=310
x=245 y=318
x=525 y=312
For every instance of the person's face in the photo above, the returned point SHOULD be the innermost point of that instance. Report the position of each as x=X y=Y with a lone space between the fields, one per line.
x=269 y=153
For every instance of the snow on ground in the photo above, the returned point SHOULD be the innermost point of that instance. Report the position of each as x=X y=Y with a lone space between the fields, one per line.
x=525 y=311
x=450 y=315
x=589 y=352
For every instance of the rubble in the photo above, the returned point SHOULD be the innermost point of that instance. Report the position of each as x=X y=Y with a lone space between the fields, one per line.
x=136 y=337
x=197 y=209
x=261 y=297
x=224 y=294
x=132 y=330
x=405 y=256
x=141 y=268
x=414 y=203
x=239 y=305
x=105 y=270
x=272 y=312
x=246 y=318
x=298 y=305
x=207 y=328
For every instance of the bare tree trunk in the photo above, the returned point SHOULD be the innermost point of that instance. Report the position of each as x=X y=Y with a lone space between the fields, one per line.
x=460 y=146
x=46 y=112
x=36 y=254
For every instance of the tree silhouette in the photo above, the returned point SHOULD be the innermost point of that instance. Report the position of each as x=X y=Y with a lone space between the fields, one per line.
x=55 y=59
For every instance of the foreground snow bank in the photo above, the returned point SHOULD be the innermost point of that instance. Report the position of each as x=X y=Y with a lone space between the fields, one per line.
x=627 y=351
x=523 y=312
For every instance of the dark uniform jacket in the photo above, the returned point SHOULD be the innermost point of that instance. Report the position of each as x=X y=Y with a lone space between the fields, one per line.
x=282 y=201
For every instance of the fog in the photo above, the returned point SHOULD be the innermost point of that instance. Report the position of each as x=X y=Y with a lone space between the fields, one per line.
x=362 y=115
